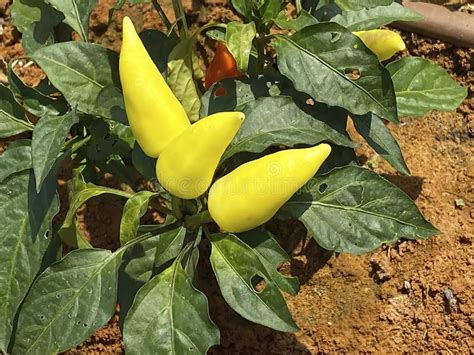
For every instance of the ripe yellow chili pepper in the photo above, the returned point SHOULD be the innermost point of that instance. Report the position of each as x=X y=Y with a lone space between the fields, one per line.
x=384 y=43
x=155 y=115
x=186 y=166
x=251 y=194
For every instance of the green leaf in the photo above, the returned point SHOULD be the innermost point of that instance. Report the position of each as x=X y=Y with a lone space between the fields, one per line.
x=374 y=131
x=68 y=232
x=25 y=217
x=269 y=9
x=26 y=12
x=180 y=77
x=49 y=135
x=422 y=86
x=243 y=7
x=355 y=5
x=11 y=115
x=134 y=209
x=109 y=138
x=352 y=209
x=76 y=13
x=303 y=20
x=272 y=256
x=74 y=65
x=239 y=39
x=145 y=259
x=159 y=46
x=279 y=121
x=33 y=100
x=368 y=19
x=179 y=322
x=16 y=158
x=143 y=163
x=68 y=302
x=319 y=59
x=236 y=265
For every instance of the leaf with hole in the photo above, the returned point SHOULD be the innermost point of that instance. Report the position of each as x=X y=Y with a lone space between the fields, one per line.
x=272 y=256
x=236 y=266
x=332 y=65
x=352 y=209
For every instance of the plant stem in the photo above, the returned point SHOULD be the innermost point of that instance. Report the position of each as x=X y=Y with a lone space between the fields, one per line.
x=299 y=7
x=164 y=18
x=180 y=18
x=198 y=219
x=77 y=145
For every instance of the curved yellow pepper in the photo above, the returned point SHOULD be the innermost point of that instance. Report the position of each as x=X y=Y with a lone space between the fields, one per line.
x=251 y=194
x=186 y=166
x=384 y=43
x=155 y=115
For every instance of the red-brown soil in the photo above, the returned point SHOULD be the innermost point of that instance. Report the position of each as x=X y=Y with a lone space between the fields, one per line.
x=412 y=296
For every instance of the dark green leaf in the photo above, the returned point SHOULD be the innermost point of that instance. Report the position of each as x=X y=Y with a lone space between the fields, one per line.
x=80 y=71
x=279 y=121
x=239 y=39
x=25 y=217
x=368 y=19
x=145 y=259
x=374 y=131
x=143 y=163
x=236 y=265
x=159 y=46
x=49 y=135
x=320 y=60
x=422 y=86
x=34 y=101
x=11 y=115
x=26 y=12
x=179 y=322
x=76 y=13
x=352 y=209
x=16 y=158
x=68 y=302
x=243 y=7
x=272 y=256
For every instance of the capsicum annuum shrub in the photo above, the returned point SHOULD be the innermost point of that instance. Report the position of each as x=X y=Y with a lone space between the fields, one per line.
x=264 y=139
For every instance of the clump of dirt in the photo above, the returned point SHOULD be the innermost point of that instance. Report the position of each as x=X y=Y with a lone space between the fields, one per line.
x=414 y=296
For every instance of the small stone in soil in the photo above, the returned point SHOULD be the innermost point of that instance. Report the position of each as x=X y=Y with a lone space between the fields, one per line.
x=451 y=302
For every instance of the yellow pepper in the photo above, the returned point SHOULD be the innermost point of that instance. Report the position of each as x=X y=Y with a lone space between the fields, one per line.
x=384 y=43
x=186 y=166
x=251 y=194
x=155 y=115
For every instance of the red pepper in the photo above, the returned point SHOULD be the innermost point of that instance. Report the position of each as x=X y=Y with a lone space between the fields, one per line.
x=222 y=66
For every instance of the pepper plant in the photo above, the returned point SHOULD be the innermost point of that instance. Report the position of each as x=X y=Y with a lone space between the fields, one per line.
x=297 y=87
